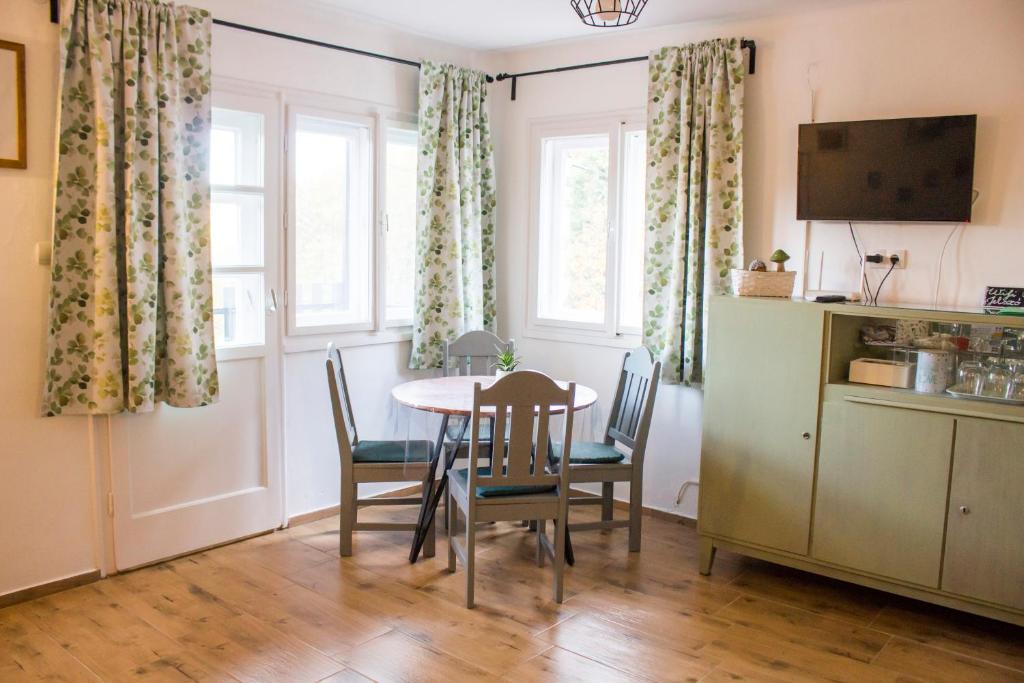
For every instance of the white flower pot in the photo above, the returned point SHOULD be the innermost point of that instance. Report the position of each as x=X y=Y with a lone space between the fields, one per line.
x=498 y=374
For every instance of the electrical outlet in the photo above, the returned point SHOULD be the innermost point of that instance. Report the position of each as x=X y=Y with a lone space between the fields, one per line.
x=886 y=263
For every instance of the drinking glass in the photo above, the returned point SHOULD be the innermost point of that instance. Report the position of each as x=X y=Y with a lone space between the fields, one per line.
x=1016 y=390
x=970 y=375
x=997 y=383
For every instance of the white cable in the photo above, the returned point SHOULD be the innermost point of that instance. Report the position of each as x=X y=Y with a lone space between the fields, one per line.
x=942 y=255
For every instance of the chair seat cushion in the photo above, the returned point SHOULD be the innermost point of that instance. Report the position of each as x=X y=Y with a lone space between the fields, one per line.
x=590 y=453
x=392 y=451
x=496 y=491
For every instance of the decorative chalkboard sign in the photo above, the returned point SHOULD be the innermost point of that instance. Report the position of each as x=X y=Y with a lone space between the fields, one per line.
x=1004 y=297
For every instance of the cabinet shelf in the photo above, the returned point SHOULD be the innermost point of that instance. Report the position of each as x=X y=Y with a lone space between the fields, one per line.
x=915 y=400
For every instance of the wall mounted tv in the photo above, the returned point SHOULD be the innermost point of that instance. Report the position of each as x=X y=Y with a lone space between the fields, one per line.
x=890 y=170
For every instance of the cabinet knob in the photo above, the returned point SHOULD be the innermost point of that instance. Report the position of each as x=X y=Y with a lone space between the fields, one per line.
x=807 y=436
x=964 y=510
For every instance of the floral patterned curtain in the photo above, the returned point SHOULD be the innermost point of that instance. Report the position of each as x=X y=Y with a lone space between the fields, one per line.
x=694 y=196
x=455 y=207
x=131 y=314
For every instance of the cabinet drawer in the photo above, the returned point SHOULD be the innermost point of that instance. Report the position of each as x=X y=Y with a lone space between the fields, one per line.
x=880 y=503
x=985 y=533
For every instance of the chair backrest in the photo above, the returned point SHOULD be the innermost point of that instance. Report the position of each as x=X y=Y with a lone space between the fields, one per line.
x=344 y=420
x=474 y=353
x=521 y=399
x=630 y=419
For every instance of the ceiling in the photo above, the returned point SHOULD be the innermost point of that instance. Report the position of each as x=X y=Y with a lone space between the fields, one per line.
x=500 y=24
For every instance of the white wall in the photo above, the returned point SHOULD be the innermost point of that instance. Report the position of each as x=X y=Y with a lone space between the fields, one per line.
x=45 y=504
x=873 y=60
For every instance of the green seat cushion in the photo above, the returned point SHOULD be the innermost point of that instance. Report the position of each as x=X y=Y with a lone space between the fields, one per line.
x=590 y=453
x=496 y=491
x=392 y=451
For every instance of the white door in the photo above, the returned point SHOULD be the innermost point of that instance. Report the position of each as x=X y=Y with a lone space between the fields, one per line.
x=184 y=479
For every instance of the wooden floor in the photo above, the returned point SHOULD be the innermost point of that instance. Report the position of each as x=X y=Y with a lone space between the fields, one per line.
x=285 y=607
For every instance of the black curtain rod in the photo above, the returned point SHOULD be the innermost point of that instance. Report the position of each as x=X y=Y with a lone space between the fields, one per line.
x=745 y=44
x=55 y=17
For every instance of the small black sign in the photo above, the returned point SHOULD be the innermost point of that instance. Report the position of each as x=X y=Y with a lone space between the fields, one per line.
x=1004 y=297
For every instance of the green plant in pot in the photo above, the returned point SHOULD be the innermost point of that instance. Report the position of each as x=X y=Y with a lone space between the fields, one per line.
x=505 y=363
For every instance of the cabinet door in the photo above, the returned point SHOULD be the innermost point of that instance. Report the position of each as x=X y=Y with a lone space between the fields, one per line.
x=883 y=475
x=760 y=421
x=985 y=532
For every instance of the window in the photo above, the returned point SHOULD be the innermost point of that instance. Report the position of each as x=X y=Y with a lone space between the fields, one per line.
x=399 y=223
x=332 y=218
x=587 y=251
x=236 y=224
x=348 y=270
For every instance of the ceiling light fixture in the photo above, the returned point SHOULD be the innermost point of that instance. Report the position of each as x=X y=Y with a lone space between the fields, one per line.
x=603 y=13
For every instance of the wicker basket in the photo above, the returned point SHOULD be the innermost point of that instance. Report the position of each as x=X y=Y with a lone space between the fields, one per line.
x=759 y=283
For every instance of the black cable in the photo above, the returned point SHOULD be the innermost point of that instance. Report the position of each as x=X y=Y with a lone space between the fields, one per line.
x=879 y=289
x=860 y=261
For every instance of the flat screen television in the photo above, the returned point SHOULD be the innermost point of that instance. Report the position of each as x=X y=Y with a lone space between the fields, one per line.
x=890 y=170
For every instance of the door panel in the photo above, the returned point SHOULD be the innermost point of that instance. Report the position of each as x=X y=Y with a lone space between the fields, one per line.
x=984 y=553
x=172 y=444
x=883 y=475
x=757 y=465
x=188 y=478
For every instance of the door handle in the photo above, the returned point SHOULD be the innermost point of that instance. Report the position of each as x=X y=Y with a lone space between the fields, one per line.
x=272 y=304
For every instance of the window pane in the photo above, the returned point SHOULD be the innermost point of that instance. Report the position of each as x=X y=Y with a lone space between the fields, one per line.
x=238 y=312
x=573 y=228
x=400 y=239
x=631 y=260
x=333 y=216
x=236 y=148
x=237 y=225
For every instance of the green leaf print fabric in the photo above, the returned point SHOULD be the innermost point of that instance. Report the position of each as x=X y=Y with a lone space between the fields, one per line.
x=694 y=181
x=455 y=207
x=131 y=306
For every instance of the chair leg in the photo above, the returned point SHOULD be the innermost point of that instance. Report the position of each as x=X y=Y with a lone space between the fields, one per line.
x=348 y=518
x=559 y=562
x=451 y=516
x=429 y=544
x=636 y=512
x=470 y=559
x=540 y=543
x=607 y=501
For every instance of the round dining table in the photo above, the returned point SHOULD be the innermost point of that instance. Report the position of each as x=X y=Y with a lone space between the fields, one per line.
x=453 y=397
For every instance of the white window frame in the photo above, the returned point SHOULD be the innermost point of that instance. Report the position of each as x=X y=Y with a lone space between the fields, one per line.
x=608 y=333
x=228 y=94
x=296 y=110
x=404 y=122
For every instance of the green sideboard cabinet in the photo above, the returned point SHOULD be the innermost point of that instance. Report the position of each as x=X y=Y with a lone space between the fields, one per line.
x=917 y=494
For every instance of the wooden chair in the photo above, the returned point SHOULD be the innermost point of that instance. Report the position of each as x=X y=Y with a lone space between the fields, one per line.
x=474 y=353
x=518 y=486
x=629 y=423
x=364 y=462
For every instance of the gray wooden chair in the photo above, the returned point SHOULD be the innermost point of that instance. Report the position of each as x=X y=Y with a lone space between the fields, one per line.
x=474 y=353
x=364 y=462
x=629 y=423
x=517 y=486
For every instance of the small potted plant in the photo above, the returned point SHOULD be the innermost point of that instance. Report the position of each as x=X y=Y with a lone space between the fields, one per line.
x=506 y=363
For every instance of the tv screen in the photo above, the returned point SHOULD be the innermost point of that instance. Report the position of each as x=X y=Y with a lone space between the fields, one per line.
x=889 y=170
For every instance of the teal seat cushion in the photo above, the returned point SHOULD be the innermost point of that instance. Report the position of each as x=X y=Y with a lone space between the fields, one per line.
x=590 y=453
x=392 y=451
x=496 y=491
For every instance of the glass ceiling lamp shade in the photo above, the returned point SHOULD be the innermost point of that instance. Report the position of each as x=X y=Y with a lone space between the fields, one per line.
x=608 y=12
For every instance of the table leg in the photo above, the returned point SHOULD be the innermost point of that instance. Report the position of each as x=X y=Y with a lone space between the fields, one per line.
x=430 y=502
x=422 y=522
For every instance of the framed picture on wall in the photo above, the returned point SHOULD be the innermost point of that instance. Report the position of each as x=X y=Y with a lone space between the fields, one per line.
x=13 y=139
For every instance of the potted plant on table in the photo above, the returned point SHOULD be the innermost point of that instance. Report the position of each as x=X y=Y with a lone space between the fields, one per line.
x=506 y=363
